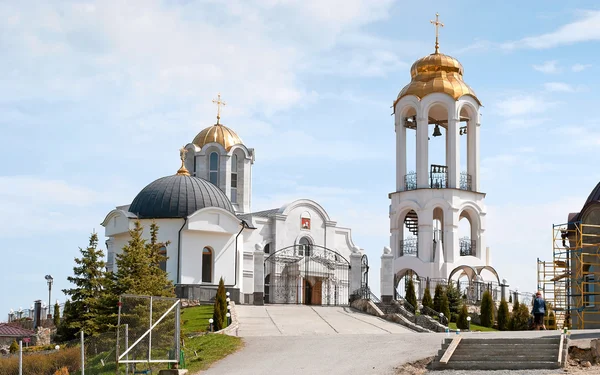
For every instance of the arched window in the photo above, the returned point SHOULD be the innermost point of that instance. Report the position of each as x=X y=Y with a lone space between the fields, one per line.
x=267 y=248
x=234 y=178
x=207 y=263
x=304 y=246
x=162 y=252
x=213 y=171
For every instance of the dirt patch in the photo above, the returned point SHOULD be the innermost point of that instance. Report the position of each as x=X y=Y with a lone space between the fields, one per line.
x=414 y=368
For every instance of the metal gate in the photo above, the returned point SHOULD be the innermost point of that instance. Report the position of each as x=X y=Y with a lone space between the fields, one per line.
x=307 y=274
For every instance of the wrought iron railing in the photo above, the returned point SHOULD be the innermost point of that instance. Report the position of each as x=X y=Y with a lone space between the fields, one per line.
x=438 y=177
x=410 y=181
x=467 y=246
x=408 y=247
x=431 y=312
x=465 y=181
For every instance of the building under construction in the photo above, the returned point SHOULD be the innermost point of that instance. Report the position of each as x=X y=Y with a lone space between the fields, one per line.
x=571 y=281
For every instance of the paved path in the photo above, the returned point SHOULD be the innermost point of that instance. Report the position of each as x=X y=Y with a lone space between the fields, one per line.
x=300 y=320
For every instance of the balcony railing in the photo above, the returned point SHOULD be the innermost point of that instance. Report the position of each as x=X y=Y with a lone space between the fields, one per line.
x=438 y=177
x=410 y=181
x=467 y=246
x=465 y=181
x=408 y=247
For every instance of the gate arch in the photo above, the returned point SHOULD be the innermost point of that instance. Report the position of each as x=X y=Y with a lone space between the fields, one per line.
x=307 y=274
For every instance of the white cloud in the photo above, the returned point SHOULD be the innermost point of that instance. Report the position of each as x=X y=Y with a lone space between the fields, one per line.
x=520 y=105
x=580 y=67
x=585 y=29
x=548 y=67
x=562 y=87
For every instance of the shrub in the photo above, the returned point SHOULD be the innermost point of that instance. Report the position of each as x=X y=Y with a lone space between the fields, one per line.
x=14 y=347
x=427 y=301
x=551 y=319
x=410 y=293
x=43 y=363
x=445 y=306
x=462 y=321
x=453 y=294
x=437 y=297
x=487 y=310
x=453 y=317
x=520 y=318
x=503 y=316
x=220 y=309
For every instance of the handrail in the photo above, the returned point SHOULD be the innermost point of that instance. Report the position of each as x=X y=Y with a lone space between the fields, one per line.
x=425 y=310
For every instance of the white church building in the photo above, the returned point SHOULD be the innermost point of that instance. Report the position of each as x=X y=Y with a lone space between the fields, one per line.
x=432 y=202
x=290 y=254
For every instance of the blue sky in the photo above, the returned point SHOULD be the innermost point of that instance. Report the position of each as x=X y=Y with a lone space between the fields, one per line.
x=96 y=98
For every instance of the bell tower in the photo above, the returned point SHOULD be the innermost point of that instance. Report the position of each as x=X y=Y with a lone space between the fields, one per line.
x=437 y=213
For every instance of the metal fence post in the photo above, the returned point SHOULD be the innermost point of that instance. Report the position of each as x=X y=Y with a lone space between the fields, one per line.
x=127 y=347
x=177 y=333
x=150 y=334
x=20 y=357
x=82 y=353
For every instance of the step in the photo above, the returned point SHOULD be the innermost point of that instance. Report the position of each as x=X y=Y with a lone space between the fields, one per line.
x=550 y=353
x=489 y=365
x=491 y=347
x=500 y=358
x=532 y=341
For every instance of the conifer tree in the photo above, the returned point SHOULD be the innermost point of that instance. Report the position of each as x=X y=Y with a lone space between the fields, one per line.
x=411 y=298
x=509 y=297
x=56 y=316
x=220 y=307
x=445 y=306
x=454 y=301
x=503 y=316
x=487 y=310
x=88 y=281
x=437 y=297
x=427 y=301
x=462 y=322
x=14 y=347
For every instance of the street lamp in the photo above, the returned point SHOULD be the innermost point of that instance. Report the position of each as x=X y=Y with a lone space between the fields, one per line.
x=469 y=323
x=228 y=319
x=210 y=322
x=49 y=280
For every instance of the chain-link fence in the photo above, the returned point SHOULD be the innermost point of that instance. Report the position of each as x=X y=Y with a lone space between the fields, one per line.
x=148 y=334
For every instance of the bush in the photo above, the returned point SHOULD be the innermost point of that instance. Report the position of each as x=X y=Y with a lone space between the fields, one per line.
x=410 y=293
x=487 y=310
x=445 y=306
x=437 y=297
x=14 y=347
x=220 y=309
x=43 y=363
x=427 y=301
x=503 y=316
x=520 y=319
x=462 y=321
x=453 y=317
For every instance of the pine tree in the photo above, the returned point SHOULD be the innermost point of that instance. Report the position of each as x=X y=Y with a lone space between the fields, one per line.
x=487 y=310
x=445 y=306
x=462 y=321
x=427 y=301
x=56 y=316
x=88 y=281
x=503 y=316
x=437 y=297
x=411 y=298
x=220 y=307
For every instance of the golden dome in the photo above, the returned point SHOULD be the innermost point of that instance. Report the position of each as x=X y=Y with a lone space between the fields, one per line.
x=218 y=133
x=437 y=73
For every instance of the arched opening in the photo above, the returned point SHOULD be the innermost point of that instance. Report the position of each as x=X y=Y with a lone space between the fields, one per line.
x=409 y=148
x=162 y=253
x=438 y=146
x=304 y=246
x=438 y=228
x=401 y=281
x=409 y=236
x=267 y=288
x=466 y=237
x=466 y=114
x=267 y=248
x=213 y=171
x=234 y=178
x=207 y=265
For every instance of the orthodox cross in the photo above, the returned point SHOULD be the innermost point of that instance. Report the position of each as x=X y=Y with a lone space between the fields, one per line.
x=183 y=171
x=437 y=24
x=219 y=103
x=182 y=153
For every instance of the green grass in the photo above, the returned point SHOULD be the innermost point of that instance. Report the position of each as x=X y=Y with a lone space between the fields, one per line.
x=195 y=319
x=474 y=327
x=203 y=351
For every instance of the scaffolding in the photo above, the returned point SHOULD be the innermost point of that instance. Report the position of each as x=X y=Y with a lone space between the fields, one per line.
x=572 y=280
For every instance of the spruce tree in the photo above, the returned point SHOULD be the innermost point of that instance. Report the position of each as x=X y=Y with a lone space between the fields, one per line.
x=445 y=306
x=88 y=281
x=503 y=316
x=427 y=301
x=220 y=307
x=56 y=316
x=462 y=321
x=454 y=301
x=437 y=297
x=487 y=310
x=411 y=298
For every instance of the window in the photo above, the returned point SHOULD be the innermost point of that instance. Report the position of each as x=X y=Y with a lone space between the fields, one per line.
x=207 y=260
x=304 y=246
x=234 y=178
x=162 y=252
x=267 y=248
x=213 y=171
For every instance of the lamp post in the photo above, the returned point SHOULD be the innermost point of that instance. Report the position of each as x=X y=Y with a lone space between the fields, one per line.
x=469 y=323
x=49 y=280
x=228 y=318
x=210 y=322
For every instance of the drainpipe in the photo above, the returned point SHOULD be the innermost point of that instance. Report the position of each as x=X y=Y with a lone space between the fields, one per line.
x=244 y=225
x=179 y=252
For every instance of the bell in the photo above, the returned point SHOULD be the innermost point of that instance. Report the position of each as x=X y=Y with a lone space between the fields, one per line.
x=436 y=131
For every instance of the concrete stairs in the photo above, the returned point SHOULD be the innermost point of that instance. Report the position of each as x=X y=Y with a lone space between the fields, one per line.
x=501 y=354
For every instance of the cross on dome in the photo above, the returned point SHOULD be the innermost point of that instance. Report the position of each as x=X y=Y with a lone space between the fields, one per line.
x=183 y=170
x=437 y=25
x=219 y=103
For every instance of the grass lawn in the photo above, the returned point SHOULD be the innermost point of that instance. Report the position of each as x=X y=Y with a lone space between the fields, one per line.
x=203 y=351
x=474 y=327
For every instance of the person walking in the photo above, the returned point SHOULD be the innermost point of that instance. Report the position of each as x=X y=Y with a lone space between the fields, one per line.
x=539 y=311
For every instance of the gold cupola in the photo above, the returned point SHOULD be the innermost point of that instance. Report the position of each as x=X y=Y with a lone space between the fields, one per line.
x=437 y=73
x=218 y=133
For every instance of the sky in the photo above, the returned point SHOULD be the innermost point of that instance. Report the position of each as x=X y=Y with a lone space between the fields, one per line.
x=97 y=97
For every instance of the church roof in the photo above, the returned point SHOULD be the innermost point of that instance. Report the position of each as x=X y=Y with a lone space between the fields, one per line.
x=220 y=134
x=178 y=196
x=594 y=197
x=265 y=213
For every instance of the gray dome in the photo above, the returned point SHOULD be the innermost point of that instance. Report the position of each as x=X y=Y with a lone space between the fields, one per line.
x=178 y=196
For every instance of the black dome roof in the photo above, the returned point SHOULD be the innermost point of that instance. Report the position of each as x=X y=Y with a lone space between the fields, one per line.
x=178 y=196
